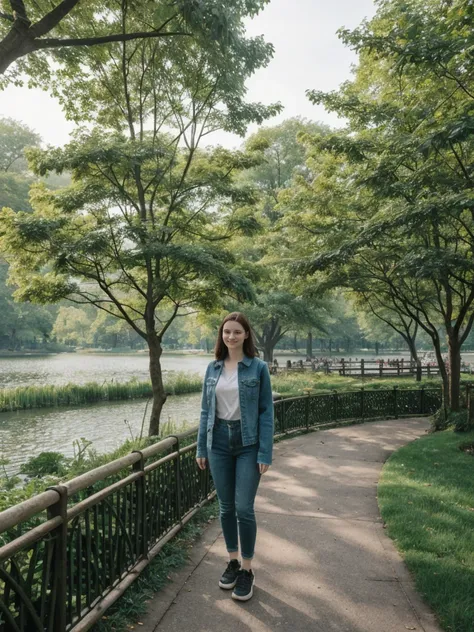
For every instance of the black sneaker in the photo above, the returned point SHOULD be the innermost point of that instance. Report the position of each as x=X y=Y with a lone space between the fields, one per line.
x=243 y=590
x=229 y=576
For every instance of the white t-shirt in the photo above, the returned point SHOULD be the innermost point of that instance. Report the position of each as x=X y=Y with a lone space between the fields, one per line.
x=227 y=395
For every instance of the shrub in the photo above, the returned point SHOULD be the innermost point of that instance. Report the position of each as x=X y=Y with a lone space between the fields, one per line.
x=46 y=463
x=459 y=420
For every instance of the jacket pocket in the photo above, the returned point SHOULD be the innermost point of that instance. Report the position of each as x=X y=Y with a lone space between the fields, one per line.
x=251 y=388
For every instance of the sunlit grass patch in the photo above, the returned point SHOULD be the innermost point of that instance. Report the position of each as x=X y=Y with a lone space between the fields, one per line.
x=426 y=497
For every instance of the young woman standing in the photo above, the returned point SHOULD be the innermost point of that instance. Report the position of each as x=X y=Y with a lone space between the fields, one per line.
x=236 y=439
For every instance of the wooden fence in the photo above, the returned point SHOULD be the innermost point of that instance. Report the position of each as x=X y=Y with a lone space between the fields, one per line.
x=365 y=368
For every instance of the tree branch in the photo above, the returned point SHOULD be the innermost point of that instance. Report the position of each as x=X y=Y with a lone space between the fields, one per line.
x=105 y=39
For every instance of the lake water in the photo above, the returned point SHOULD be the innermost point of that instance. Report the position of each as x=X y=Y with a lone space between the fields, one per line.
x=27 y=433
x=79 y=368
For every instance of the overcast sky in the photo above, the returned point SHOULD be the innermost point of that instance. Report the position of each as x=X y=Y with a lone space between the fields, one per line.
x=308 y=55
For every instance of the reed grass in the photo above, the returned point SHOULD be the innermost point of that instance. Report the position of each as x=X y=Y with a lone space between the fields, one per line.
x=179 y=383
x=28 y=397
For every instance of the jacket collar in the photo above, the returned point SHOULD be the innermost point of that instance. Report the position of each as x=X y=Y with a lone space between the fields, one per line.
x=247 y=361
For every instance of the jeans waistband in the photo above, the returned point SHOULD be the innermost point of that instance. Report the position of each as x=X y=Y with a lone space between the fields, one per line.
x=228 y=422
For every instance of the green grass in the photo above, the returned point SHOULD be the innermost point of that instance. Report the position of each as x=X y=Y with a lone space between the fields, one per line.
x=297 y=384
x=27 y=397
x=426 y=498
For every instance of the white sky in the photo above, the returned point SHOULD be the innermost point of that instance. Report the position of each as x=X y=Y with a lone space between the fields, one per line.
x=308 y=55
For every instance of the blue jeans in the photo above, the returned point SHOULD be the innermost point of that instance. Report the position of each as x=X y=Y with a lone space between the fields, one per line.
x=236 y=477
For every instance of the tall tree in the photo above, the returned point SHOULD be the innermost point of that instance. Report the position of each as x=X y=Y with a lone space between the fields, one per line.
x=281 y=306
x=403 y=168
x=15 y=137
x=141 y=233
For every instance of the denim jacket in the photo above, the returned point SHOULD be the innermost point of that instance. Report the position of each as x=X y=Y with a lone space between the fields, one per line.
x=256 y=407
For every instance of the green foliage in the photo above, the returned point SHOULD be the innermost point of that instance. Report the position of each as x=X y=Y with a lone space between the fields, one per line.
x=22 y=325
x=215 y=26
x=458 y=420
x=45 y=464
x=14 y=191
x=15 y=137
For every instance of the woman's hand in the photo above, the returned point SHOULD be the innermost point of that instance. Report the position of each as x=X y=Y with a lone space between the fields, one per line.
x=202 y=463
x=263 y=468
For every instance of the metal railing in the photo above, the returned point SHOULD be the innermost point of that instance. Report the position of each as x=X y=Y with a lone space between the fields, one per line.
x=70 y=552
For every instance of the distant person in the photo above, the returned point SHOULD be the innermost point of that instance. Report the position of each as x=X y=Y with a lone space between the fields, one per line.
x=236 y=438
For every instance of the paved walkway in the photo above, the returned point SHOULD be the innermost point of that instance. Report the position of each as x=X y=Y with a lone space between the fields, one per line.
x=323 y=561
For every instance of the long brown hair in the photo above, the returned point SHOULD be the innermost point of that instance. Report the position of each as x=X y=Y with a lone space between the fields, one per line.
x=220 y=350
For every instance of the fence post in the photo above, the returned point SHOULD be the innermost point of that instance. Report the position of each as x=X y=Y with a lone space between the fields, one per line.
x=139 y=466
x=60 y=558
x=335 y=405
x=362 y=367
x=177 y=468
x=422 y=400
x=326 y=367
x=306 y=412
x=380 y=368
x=343 y=368
x=428 y=370
x=395 y=401
x=362 y=403
x=398 y=368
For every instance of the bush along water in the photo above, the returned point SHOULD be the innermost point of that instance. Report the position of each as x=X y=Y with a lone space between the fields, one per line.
x=21 y=398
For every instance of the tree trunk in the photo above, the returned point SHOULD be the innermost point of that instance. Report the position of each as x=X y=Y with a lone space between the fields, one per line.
x=454 y=371
x=309 y=345
x=156 y=375
x=377 y=348
x=296 y=343
x=412 y=348
x=442 y=368
x=268 y=352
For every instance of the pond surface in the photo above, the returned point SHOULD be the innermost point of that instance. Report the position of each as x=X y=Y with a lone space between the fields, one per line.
x=79 y=368
x=24 y=434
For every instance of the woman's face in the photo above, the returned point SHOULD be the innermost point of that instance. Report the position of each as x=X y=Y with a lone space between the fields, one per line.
x=233 y=335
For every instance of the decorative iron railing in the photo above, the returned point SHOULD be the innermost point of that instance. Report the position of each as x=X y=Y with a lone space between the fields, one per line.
x=67 y=554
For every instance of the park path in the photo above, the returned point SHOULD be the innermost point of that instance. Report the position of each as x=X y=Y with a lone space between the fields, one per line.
x=323 y=562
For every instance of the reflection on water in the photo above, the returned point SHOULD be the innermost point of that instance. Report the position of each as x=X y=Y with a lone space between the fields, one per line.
x=79 y=368
x=27 y=433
